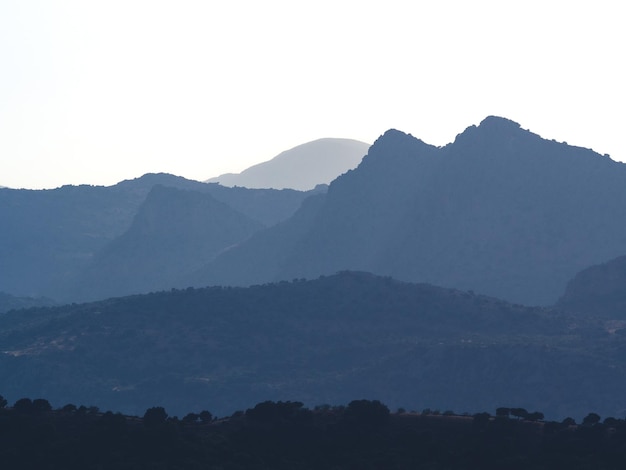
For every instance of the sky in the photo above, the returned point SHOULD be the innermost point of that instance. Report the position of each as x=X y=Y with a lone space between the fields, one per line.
x=95 y=92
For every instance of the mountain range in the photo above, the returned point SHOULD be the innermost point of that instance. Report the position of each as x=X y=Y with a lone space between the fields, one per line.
x=51 y=241
x=302 y=167
x=404 y=280
x=500 y=211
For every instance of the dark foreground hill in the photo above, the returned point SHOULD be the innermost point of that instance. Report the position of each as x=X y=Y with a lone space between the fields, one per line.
x=500 y=211
x=322 y=341
x=286 y=435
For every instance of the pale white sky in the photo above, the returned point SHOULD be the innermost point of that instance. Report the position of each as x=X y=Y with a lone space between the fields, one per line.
x=95 y=91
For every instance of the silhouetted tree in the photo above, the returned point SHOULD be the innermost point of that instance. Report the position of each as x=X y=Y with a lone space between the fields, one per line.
x=366 y=412
x=206 y=416
x=41 y=405
x=3 y=402
x=69 y=408
x=154 y=417
x=535 y=416
x=519 y=413
x=503 y=412
x=23 y=405
x=591 y=419
x=191 y=418
x=269 y=411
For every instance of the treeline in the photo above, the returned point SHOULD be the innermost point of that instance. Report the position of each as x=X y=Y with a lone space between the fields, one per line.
x=286 y=435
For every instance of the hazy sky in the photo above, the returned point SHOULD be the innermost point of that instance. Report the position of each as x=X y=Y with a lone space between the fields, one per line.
x=98 y=91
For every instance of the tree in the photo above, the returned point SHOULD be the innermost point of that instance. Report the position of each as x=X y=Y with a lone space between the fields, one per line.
x=69 y=408
x=269 y=411
x=41 y=405
x=535 y=416
x=591 y=419
x=23 y=405
x=191 y=418
x=503 y=412
x=155 y=416
x=519 y=413
x=3 y=402
x=206 y=416
x=366 y=412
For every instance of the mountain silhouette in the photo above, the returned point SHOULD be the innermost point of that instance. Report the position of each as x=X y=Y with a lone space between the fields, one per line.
x=500 y=211
x=302 y=167
x=48 y=237
x=174 y=232
x=598 y=290
x=10 y=302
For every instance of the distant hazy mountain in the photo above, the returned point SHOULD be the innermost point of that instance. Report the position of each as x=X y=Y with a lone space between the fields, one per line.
x=322 y=341
x=302 y=167
x=598 y=290
x=173 y=234
x=500 y=211
x=11 y=302
x=48 y=237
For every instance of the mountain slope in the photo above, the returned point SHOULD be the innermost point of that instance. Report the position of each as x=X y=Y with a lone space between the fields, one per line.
x=10 y=302
x=174 y=233
x=322 y=341
x=48 y=237
x=500 y=211
x=302 y=167
x=262 y=254
x=598 y=290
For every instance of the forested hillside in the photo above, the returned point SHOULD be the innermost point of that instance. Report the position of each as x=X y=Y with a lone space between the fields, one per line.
x=321 y=341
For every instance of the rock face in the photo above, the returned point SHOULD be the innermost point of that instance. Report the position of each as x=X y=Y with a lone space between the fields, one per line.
x=499 y=211
x=598 y=290
x=302 y=167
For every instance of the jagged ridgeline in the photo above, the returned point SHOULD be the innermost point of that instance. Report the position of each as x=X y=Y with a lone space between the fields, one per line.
x=500 y=211
x=322 y=341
